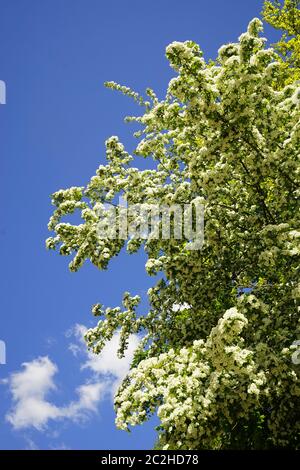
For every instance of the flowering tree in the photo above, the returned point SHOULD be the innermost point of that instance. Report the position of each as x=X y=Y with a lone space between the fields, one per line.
x=285 y=16
x=217 y=358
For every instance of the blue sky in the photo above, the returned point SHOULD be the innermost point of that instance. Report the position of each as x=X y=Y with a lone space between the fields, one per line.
x=54 y=57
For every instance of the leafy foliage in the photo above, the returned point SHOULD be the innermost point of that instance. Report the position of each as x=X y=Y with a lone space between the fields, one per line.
x=285 y=16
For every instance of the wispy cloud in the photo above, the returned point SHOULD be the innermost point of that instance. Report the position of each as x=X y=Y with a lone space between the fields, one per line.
x=30 y=444
x=31 y=386
x=59 y=447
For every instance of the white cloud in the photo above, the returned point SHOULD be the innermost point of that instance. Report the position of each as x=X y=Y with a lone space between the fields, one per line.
x=29 y=389
x=31 y=386
x=89 y=398
x=107 y=363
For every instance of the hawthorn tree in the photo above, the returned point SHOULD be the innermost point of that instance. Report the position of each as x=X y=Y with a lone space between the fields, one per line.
x=215 y=360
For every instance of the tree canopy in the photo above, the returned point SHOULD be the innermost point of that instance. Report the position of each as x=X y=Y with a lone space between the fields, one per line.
x=215 y=360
